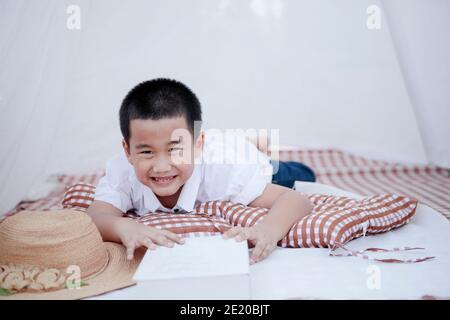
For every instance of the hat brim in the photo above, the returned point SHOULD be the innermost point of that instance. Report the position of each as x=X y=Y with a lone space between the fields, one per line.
x=117 y=274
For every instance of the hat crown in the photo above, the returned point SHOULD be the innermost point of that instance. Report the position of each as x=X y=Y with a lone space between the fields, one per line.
x=53 y=239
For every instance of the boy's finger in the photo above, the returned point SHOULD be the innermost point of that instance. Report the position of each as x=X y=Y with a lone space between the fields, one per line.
x=267 y=250
x=162 y=240
x=174 y=237
x=130 y=250
x=257 y=252
x=245 y=234
x=232 y=232
x=147 y=242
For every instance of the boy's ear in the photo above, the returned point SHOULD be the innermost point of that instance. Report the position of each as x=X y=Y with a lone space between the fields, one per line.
x=199 y=143
x=126 y=148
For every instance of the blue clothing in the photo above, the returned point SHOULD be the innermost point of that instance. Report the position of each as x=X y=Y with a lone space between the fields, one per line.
x=291 y=171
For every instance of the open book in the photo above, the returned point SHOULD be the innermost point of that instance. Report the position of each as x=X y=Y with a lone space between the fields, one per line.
x=201 y=268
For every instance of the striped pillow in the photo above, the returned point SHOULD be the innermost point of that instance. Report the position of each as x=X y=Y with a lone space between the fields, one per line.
x=333 y=221
x=80 y=196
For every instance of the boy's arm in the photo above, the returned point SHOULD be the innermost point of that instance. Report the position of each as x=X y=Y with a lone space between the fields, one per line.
x=106 y=217
x=286 y=207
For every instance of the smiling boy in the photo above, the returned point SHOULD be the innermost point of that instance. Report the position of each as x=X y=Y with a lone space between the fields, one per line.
x=170 y=165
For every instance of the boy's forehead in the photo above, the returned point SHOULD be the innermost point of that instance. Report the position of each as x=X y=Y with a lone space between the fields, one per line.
x=160 y=131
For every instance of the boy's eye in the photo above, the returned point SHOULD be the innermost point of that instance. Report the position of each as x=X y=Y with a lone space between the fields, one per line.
x=147 y=152
x=175 y=149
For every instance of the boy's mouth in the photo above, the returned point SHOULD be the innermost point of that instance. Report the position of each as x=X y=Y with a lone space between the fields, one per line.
x=163 y=180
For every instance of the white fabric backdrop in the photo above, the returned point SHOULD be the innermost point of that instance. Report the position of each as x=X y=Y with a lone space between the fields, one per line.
x=309 y=68
x=420 y=35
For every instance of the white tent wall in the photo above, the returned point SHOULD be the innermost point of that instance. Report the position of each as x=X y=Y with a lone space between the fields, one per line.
x=420 y=35
x=36 y=63
x=309 y=68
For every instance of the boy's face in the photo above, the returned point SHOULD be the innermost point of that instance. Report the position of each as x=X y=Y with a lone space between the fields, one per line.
x=162 y=153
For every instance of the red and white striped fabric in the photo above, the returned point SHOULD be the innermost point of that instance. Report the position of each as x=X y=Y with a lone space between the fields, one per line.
x=430 y=185
x=334 y=219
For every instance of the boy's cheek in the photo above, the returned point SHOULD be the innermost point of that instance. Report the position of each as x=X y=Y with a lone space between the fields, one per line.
x=142 y=169
x=185 y=171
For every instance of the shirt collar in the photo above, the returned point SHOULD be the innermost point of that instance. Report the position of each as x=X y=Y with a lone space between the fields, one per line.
x=186 y=200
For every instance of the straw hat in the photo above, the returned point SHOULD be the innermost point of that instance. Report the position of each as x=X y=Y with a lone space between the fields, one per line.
x=45 y=254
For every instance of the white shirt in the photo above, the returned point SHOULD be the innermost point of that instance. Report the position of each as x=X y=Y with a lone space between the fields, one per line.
x=230 y=168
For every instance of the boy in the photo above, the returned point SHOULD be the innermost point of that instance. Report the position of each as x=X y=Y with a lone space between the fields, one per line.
x=160 y=170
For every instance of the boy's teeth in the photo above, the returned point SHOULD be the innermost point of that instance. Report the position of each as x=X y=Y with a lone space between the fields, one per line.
x=163 y=179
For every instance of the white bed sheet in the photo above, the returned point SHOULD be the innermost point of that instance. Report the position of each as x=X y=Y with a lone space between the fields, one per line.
x=313 y=274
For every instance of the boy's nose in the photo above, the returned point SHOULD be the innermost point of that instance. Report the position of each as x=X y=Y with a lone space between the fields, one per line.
x=162 y=165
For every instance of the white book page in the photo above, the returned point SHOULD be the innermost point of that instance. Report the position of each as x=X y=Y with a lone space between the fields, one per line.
x=197 y=257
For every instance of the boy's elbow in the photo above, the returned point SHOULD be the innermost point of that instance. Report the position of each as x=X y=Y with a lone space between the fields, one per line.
x=304 y=204
x=92 y=212
x=308 y=205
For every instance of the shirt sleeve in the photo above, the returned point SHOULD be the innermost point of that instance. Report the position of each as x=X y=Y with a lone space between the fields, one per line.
x=247 y=184
x=250 y=174
x=115 y=188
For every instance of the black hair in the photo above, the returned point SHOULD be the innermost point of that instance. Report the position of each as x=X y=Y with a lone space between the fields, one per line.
x=159 y=99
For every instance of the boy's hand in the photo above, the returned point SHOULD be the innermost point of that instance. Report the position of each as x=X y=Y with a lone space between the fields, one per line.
x=261 y=235
x=134 y=235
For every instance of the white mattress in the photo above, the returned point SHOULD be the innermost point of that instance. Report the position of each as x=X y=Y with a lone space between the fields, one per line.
x=313 y=274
